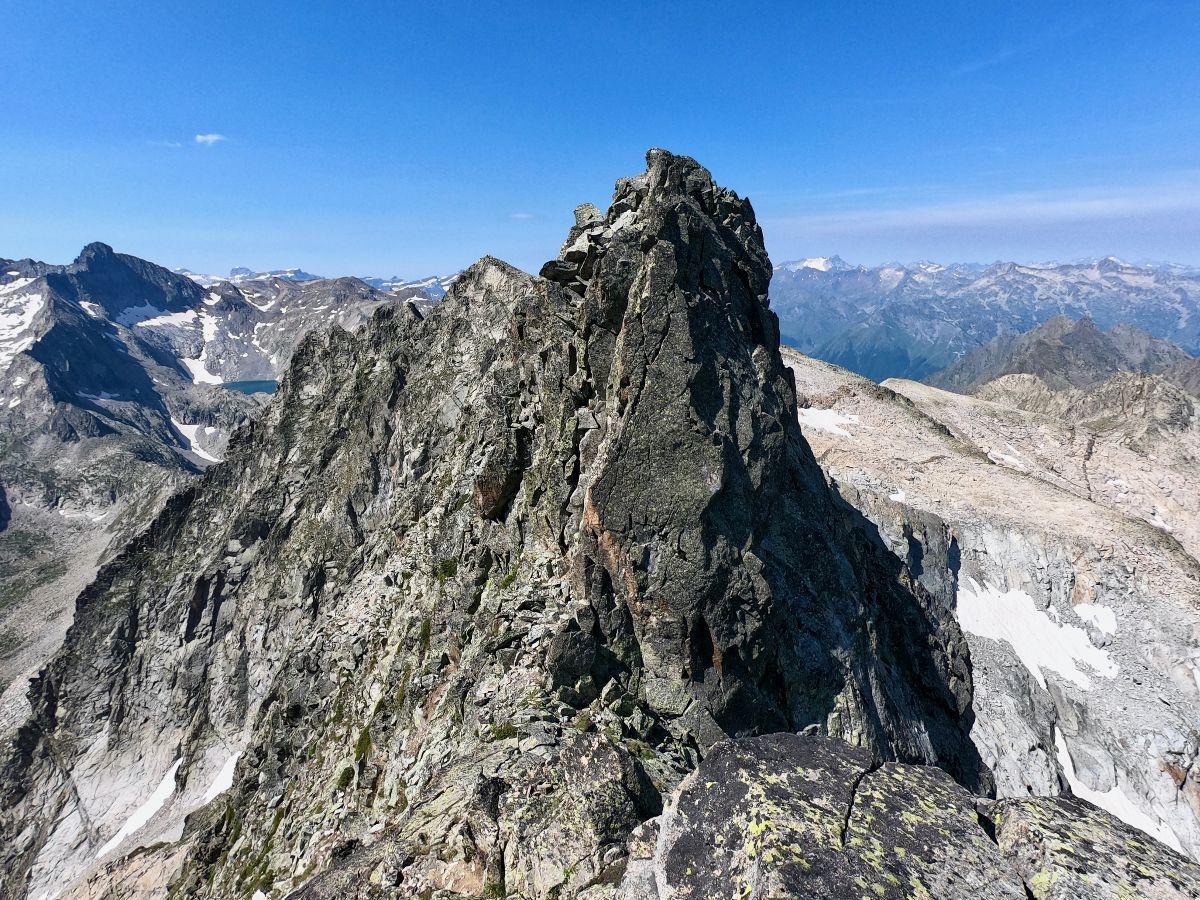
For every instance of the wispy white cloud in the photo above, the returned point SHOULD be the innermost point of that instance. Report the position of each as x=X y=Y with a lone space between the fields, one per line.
x=1042 y=40
x=520 y=215
x=1050 y=206
x=209 y=140
x=174 y=145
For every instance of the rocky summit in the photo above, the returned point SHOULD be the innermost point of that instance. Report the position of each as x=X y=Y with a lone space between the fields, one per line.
x=493 y=600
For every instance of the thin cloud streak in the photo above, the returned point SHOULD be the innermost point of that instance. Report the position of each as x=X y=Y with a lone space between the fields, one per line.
x=520 y=216
x=209 y=140
x=1009 y=209
x=1009 y=52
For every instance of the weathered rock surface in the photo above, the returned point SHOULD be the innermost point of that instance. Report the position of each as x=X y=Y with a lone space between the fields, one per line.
x=800 y=816
x=480 y=586
x=110 y=402
x=1083 y=620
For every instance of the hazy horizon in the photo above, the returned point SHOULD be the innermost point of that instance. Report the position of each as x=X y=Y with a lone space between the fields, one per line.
x=386 y=139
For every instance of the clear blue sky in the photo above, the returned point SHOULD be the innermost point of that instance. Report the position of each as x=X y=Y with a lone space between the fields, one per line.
x=382 y=138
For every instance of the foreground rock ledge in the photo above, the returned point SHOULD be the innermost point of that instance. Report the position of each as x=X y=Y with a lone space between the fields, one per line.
x=802 y=816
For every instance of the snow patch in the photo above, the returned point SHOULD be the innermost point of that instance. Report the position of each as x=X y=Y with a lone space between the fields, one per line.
x=1006 y=459
x=897 y=497
x=224 y=779
x=826 y=420
x=13 y=286
x=188 y=433
x=145 y=812
x=131 y=315
x=1102 y=617
x=178 y=319
x=1114 y=800
x=16 y=318
x=95 y=310
x=210 y=324
x=197 y=367
x=201 y=375
x=1038 y=640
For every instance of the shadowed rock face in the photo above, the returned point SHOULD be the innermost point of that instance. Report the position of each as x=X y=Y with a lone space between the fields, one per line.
x=480 y=586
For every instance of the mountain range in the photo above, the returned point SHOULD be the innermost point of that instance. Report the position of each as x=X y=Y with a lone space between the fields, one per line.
x=1062 y=353
x=433 y=287
x=580 y=585
x=910 y=321
x=114 y=377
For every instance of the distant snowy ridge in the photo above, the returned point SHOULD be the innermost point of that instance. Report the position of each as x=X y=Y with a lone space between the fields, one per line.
x=910 y=320
x=433 y=286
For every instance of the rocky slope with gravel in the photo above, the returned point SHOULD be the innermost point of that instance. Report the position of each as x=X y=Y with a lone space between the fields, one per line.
x=1082 y=613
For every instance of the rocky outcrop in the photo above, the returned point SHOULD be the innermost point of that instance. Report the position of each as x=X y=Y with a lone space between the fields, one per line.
x=479 y=587
x=801 y=816
x=1082 y=617
x=1185 y=375
x=110 y=401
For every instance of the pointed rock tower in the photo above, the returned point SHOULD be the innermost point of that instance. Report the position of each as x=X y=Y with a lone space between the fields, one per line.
x=478 y=589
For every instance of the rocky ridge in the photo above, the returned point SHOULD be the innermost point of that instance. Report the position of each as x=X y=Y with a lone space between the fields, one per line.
x=482 y=587
x=1063 y=354
x=110 y=401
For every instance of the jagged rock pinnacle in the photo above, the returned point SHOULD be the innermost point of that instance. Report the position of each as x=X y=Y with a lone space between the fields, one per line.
x=561 y=531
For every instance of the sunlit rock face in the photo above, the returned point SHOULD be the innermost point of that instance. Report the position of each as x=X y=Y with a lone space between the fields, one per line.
x=1039 y=515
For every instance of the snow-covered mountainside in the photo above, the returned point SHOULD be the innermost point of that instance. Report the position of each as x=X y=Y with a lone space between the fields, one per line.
x=113 y=375
x=241 y=274
x=909 y=321
x=1060 y=525
x=434 y=287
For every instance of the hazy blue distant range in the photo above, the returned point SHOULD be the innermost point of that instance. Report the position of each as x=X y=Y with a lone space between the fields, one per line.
x=912 y=320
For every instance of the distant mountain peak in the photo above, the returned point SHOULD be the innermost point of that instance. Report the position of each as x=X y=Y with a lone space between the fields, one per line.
x=94 y=250
x=1062 y=352
x=820 y=263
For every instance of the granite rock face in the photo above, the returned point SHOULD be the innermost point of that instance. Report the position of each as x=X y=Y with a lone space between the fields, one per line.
x=479 y=587
x=803 y=816
x=113 y=396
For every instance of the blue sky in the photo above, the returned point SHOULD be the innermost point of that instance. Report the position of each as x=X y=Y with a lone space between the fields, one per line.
x=393 y=138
